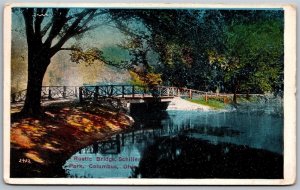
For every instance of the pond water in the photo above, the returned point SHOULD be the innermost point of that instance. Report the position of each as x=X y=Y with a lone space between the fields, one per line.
x=182 y=144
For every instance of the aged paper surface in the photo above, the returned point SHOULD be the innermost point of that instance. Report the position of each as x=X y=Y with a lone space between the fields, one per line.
x=146 y=94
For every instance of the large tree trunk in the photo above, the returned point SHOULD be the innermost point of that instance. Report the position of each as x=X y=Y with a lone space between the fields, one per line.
x=40 y=51
x=36 y=72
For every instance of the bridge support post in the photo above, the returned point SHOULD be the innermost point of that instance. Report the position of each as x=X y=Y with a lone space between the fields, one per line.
x=80 y=95
x=190 y=94
x=95 y=148
x=111 y=93
x=160 y=91
x=178 y=92
x=64 y=91
x=123 y=91
x=96 y=93
x=144 y=91
x=75 y=92
x=49 y=94
x=133 y=91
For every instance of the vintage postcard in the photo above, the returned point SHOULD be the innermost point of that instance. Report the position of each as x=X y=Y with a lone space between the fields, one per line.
x=149 y=94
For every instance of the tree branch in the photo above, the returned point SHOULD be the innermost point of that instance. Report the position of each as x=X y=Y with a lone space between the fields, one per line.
x=59 y=44
x=59 y=19
x=45 y=29
x=39 y=17
x=75 y=29
x=86 y=21
x=71 y=49
x=28 y=14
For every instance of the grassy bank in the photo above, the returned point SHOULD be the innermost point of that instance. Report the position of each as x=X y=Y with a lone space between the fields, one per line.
x=215 y=104
x=40 y=146
x=219 y=104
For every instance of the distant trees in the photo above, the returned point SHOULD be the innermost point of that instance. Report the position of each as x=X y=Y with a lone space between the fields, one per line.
x=237 y=51
x=178 y=39
x=252 y=58
x=141 y=72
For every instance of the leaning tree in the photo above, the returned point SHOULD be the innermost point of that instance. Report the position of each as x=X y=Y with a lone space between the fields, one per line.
x=47 y=30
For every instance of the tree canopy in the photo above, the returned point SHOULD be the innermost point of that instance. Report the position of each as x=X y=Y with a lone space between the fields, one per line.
x=229 y=50
x=235 y=51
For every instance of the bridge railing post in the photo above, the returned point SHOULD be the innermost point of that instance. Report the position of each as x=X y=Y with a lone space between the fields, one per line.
x=64 y=91
x=111 y=93
x=49 y=94
x=144 y=91
x=123 y=91
x=160 y=91
x=190 y=94
x=206 y=97
x=80 y=95
x=75 y=92
x=96 y=93
x=133 y=91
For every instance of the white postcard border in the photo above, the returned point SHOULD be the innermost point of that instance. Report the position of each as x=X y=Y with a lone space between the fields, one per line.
x=289 y=100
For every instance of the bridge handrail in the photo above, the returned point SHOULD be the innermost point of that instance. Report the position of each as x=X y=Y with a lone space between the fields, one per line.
x=111 y=101
x=117 y=91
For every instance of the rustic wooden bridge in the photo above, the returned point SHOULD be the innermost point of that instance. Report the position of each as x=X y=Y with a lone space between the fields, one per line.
x=120 y=97
x=131 y=93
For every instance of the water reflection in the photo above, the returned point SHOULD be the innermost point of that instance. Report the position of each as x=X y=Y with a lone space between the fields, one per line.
x=117 y=157
x=188 y=144
x=185 y=157
x=262 y=131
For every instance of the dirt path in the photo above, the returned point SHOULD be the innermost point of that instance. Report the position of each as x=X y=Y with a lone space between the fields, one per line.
x=180 y=104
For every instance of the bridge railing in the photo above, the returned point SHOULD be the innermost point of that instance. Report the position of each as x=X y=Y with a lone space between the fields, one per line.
x=103 y=95
x=57 y=92
x=18 y=96
x=87 y=93
x=49 y=93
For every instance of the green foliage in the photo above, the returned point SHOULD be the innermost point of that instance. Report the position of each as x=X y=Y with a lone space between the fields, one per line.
x=146 y=80
x=78 y=55
x=230 y=50
x=252 y=60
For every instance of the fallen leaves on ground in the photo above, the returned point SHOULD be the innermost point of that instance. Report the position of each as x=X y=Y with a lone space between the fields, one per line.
x=63 y=129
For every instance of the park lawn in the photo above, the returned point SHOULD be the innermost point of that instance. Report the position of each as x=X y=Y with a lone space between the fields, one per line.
x=215 y=104
x=48 y=141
